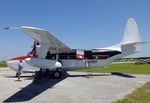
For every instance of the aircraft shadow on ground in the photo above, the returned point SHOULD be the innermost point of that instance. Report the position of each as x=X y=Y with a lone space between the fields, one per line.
x=89 y=75
x=32 y=90
x=104 y=74
x=122 y=75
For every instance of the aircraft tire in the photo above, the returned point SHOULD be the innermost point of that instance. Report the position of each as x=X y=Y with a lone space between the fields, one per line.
x=57 y=74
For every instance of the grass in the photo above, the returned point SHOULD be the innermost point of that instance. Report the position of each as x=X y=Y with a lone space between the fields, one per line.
x=121 y=68
x=141 y=95
x=3 y=64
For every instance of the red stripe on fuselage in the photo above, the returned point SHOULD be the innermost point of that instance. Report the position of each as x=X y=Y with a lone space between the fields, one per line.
x=22 y=57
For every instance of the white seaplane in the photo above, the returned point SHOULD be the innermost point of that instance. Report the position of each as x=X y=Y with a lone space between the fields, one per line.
x=50 y=53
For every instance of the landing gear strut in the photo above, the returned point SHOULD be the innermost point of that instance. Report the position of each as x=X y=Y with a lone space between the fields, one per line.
x=46 y=75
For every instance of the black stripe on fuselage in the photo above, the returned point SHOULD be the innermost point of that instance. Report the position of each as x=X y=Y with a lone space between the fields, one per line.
x=87 y=55
x=109 y=53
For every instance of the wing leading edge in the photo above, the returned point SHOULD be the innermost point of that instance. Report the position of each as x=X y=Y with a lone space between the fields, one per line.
x=47 y=41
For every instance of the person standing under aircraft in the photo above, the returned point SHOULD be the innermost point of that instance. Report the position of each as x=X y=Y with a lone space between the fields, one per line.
x=19 y=69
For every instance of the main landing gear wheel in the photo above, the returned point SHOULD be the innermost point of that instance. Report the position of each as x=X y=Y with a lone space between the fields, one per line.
x=57 y=74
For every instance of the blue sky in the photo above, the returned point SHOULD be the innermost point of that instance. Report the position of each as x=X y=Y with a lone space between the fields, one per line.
x=78 y=23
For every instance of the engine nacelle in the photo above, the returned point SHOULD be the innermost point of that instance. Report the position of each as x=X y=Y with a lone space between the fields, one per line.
x=43 y=63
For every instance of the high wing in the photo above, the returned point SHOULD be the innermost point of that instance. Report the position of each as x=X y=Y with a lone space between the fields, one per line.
x=47 y=41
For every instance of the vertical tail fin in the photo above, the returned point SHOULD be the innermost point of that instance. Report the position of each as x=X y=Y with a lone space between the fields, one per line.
x=131 y=33
x=131 y=41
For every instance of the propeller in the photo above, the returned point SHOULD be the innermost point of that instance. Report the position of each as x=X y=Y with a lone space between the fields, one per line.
x=33 y=51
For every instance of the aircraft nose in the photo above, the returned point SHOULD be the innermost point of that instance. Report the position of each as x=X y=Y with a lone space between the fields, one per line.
x=12 y=64
x=9 y=63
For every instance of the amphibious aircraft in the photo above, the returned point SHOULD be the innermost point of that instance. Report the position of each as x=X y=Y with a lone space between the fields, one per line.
x=50 y=53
